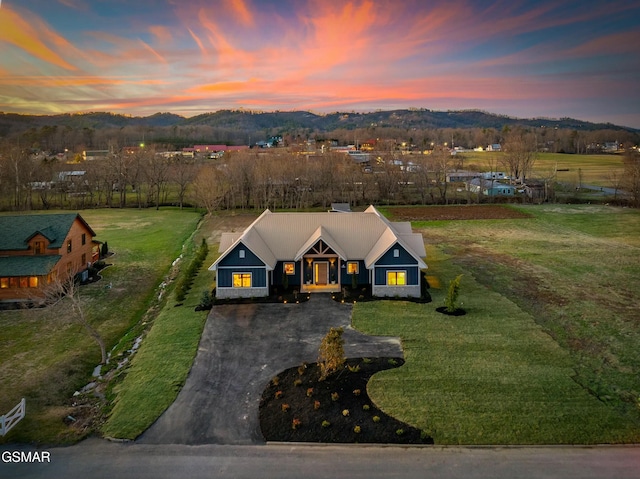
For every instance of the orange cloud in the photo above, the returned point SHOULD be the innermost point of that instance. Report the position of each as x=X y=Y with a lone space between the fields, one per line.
x=32 y=37
x=241 y=11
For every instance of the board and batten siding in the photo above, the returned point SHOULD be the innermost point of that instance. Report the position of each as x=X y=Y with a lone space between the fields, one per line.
x=396 y=259
x=241 y=260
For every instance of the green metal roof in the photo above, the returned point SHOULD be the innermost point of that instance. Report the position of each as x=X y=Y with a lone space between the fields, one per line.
x=15 y=231
x=39 y=265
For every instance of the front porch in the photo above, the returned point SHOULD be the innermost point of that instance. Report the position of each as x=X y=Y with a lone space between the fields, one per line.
x=320 y=288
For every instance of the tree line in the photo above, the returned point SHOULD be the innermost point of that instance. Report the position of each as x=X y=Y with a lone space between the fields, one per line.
x=295 y=177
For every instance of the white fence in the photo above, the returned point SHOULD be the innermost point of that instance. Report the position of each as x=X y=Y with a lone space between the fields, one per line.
x=12 y=417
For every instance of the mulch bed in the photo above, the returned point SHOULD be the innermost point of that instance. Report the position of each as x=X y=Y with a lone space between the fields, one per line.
x=455 y=312
x=297 y=407
x=456 y=212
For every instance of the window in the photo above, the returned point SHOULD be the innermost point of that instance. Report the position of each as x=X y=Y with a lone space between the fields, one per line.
x=38 y=247
x=396 y=253
x=69 y=246
x=13 y=282
x=4 y=283
x=352 y=267
x=24 y=282
x=241 y=253
x=84 y=239
x=241 y=280
x=396 y=278
x=33 y=281
x=289 y=268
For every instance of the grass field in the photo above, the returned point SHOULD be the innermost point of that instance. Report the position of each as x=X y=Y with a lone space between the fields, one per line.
x=160 y=368
x=593 y=169
x=45 y=358
x=548 y=350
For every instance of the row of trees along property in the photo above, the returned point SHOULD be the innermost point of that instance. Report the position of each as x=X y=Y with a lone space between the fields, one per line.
x=254 y=178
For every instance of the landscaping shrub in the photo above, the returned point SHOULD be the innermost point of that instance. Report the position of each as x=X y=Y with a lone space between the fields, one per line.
x=331 y=356
x=452 y=294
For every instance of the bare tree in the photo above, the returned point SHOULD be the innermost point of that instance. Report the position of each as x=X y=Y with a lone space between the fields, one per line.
x=616 y=181
x=67 y=288
x=182 y=172
x=632 y=175
x=441 y=163
x=210 y=188
x=520 y=154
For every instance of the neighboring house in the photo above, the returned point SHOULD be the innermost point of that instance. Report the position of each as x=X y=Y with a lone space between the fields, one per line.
x=494 y=147
x=461 y=176
x=37 y=249
x=490 y=187
x=320 y=252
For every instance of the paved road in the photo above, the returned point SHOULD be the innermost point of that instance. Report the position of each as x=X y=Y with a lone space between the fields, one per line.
x=242 y=348
x=96 y=459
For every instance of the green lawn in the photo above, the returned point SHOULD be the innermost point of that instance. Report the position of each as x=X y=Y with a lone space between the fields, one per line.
x=45 y=358
x=548 y=350
x=594 y=169
x=159 y=370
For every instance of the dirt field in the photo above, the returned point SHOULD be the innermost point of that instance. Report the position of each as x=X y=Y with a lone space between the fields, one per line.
x=456 y=212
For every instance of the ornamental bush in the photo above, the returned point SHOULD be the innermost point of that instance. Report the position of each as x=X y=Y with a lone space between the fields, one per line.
x=331 y=356
x=452 y=294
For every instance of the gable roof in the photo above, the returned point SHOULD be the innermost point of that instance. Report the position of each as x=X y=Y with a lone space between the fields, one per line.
x=354 y=236
x=17 y=230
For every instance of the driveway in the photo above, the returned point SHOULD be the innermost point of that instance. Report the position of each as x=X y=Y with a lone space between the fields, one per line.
x=241 y=349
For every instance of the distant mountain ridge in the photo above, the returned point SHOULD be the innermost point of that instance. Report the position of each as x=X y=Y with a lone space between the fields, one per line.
x=284 y=121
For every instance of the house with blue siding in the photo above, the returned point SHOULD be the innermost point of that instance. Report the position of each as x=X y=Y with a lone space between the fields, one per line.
x=320 y=252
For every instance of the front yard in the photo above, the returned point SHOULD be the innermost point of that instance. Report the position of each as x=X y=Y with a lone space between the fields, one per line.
x=547 y=352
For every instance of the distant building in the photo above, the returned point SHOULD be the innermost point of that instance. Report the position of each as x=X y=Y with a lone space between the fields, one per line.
x=491 y=188
x=494 y=147
x=90 y=155
x=462 y=176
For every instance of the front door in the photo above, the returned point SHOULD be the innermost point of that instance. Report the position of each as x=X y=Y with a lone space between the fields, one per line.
x=321 y=272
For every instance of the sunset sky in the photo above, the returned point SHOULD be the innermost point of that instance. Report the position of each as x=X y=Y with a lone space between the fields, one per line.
x=523 y=58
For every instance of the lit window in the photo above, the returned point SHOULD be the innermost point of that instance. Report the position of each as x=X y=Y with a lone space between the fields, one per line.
x=24 y=282
x=396 y=278
x=289 y=268
x=352 y=267
x=69 y=246
x=4 y=283
x=33 y=281
x=13 y=282
x=241 y=253
x=241 y=280
x=396 y=253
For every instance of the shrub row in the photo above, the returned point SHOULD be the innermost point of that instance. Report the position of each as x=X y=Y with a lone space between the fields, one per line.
x=184 y=283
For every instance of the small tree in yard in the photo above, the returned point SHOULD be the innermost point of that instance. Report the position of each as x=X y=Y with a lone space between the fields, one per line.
x=452 y=294
x=68 y=288
x=331 y=356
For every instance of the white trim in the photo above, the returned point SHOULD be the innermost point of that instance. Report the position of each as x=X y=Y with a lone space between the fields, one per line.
x=396 y=266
